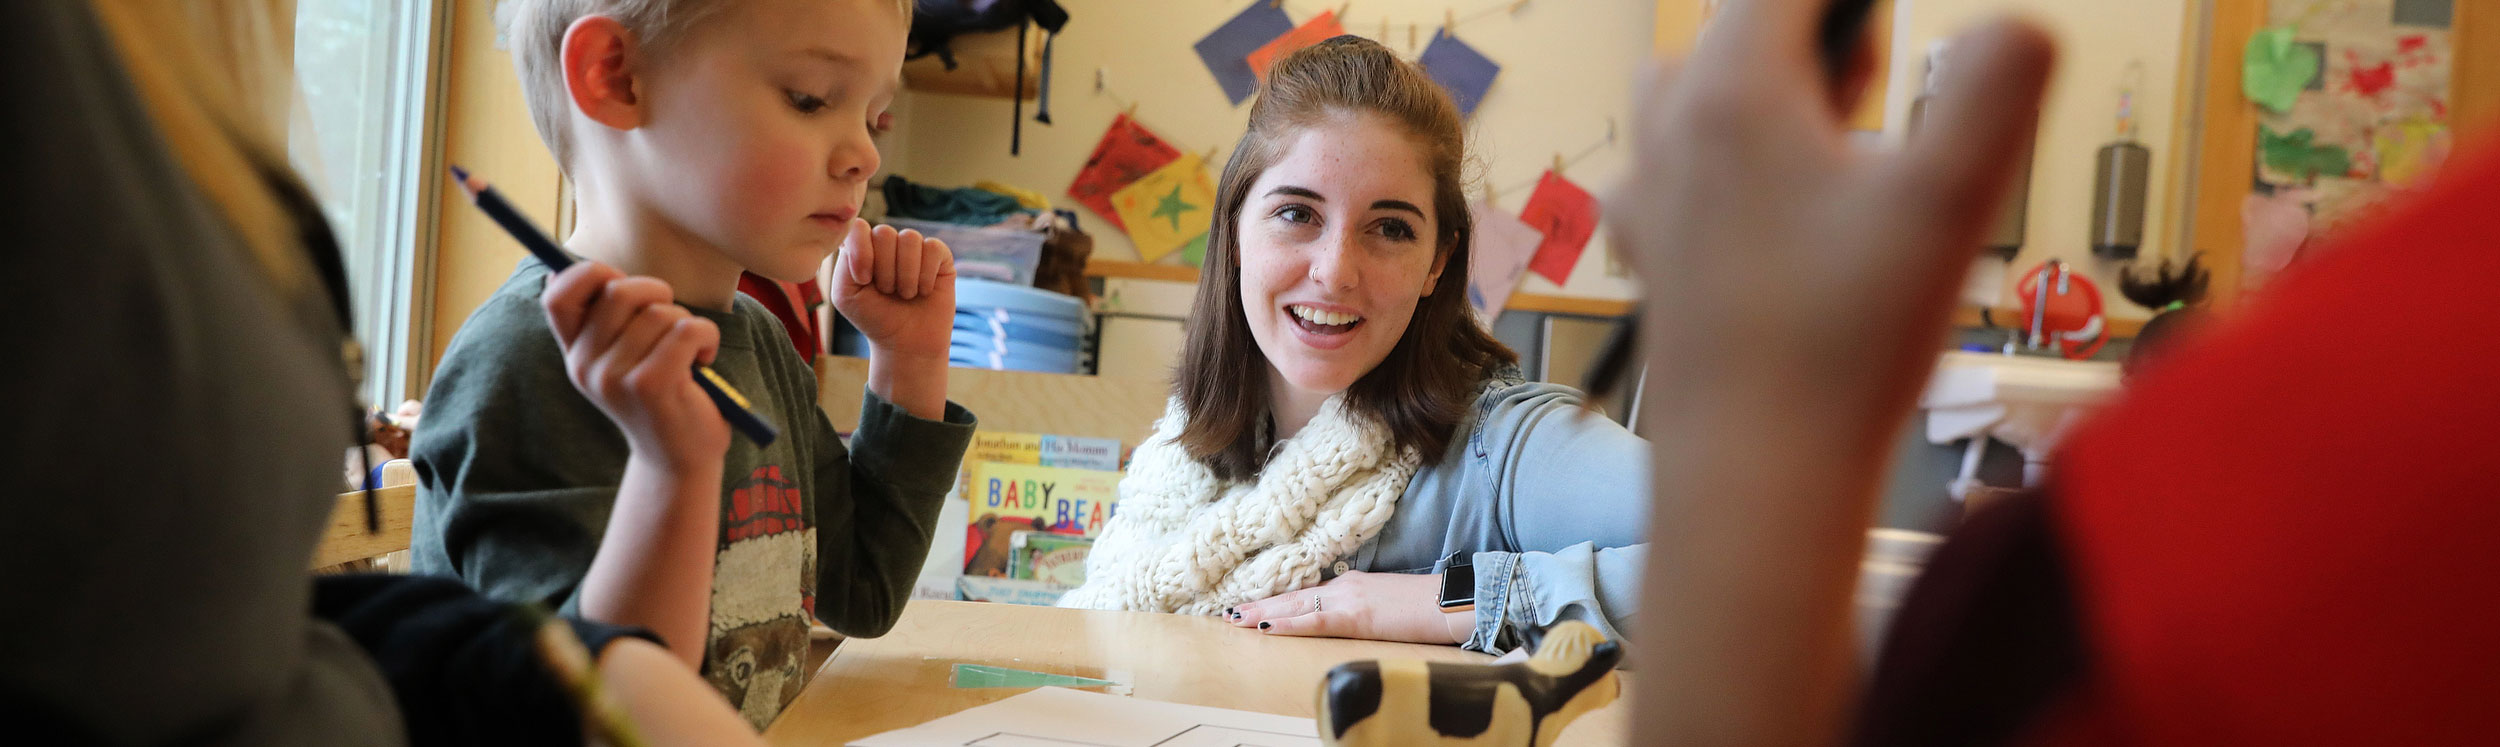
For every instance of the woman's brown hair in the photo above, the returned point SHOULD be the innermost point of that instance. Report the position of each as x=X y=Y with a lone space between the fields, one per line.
x=1423 y=389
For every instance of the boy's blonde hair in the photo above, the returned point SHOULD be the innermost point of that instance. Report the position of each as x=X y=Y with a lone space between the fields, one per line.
x=534 y=31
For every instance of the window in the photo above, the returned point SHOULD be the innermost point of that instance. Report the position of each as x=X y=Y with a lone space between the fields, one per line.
x=364 y=70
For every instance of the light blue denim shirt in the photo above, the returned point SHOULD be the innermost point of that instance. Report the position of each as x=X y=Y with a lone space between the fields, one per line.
x=1550 y=498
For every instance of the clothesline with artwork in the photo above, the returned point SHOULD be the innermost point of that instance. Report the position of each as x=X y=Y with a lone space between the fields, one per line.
x=1239 y=52
x=1162 y=197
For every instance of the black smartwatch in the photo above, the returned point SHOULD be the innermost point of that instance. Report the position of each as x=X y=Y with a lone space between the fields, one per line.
x=1458 y=582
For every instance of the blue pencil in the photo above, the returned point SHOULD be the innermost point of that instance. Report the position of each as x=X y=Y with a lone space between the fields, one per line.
x=733 y=406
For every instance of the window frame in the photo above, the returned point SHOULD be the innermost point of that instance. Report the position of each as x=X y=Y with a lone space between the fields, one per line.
x=391 y=299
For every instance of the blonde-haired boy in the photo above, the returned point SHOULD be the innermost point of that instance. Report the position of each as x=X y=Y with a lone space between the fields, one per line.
x=567 y=455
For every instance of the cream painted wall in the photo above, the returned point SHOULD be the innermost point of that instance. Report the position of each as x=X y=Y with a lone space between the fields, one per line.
x=1567 y=65
x=2097 y=40
x=486 y=128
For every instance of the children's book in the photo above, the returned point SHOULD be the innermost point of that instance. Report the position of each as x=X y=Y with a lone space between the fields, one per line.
x=1048 y=557
x=1033 y=524
x=1041 y=449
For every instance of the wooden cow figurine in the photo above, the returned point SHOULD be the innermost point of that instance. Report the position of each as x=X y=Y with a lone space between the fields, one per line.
x=1522 y=704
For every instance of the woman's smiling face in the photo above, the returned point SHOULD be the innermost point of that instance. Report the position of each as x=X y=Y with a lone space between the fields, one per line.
x=1337 y=246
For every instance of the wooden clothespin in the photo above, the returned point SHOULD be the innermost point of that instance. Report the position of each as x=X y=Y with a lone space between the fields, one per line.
x=1449 y=22
x=1130 y=110
x=1558 y=163
x=1410 y=37
x=1384 y=29
x=1207 y=158
x=1487 y=188
x=1275 y=3
x=1610 y=129
x=1342 y=8
x=1515 y=6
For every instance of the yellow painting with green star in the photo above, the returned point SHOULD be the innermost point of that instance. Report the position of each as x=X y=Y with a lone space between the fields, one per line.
x=1167 y=208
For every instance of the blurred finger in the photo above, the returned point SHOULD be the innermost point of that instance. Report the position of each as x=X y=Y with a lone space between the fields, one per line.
x=1778 y=33
x=1985 y=110
x=907 y=247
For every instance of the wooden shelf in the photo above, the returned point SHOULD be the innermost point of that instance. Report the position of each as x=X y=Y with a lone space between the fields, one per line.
x=1542 y=303
x=1113 y=268
x=985 y=65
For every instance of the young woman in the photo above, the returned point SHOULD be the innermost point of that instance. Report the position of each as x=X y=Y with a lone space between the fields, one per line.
x=1342 y=434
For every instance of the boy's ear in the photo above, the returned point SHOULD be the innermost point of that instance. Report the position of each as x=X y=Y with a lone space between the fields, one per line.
x=600 y=65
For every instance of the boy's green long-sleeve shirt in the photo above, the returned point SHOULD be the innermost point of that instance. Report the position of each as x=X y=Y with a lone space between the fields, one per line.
x=517 y=473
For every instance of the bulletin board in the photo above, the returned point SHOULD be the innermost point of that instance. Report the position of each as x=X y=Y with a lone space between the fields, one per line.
x=2287 y=157
x=2367 y=83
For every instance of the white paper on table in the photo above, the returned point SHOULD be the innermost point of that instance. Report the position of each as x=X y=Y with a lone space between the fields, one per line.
x=1498 y=259
x=1060 y=717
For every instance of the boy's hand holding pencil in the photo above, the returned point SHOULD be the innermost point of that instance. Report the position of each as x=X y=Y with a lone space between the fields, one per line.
x=627 y=347
x=725 y=398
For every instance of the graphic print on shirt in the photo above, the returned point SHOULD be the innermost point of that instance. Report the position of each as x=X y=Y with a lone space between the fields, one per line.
x=760 y=581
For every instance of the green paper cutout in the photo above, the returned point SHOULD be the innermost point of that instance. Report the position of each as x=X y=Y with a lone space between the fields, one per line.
x=2273 y=70
x=2298 y=155
x=1172 y=206
x=981 y=675
x=1194 y=253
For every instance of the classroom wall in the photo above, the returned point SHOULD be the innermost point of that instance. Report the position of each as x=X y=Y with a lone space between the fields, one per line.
x=487 y=130
x=1567 y=65
x=2097 y=40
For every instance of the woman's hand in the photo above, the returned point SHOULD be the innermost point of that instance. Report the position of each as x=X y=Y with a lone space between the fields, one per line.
x=1379 y=606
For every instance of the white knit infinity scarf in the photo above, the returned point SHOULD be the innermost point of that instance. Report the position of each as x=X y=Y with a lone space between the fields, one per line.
x=1184 y=541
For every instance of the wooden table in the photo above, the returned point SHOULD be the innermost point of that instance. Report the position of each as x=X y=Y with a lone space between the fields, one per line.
x=875 y=685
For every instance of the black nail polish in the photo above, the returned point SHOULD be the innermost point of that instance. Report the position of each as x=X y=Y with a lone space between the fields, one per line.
x=1228 y=612
x=1263 y=625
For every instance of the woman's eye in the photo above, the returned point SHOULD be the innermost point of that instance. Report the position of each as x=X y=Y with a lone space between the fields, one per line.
x=1397 y=230
x=805 y=103
x=1296 y=214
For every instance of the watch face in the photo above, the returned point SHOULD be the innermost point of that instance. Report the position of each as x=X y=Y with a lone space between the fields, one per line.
x=1458 y=586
